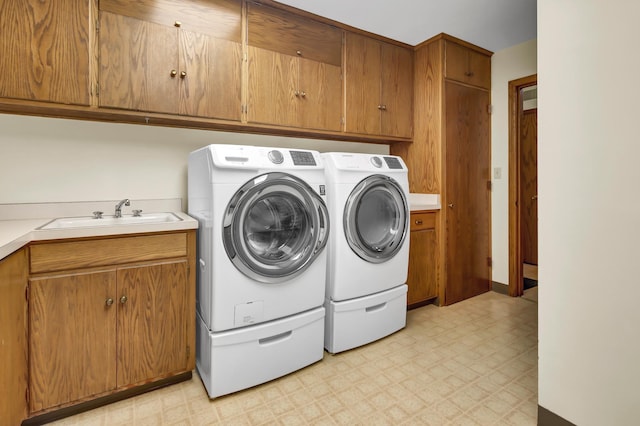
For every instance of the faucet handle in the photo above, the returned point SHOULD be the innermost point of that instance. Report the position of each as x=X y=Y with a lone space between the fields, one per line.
x=97 y=215
x=136 y=212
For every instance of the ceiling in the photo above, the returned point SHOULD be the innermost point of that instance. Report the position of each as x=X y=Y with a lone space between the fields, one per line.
x=491 y=24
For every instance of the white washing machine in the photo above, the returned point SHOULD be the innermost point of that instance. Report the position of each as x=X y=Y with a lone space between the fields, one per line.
x=262 y=262
x=368 y=248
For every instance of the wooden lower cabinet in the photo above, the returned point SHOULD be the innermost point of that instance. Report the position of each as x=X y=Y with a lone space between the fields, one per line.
x=13 y=338
x=98 y=330
x=423 y=249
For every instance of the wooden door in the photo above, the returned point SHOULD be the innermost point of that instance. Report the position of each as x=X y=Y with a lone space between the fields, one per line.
x=321 y=105
x=45 y=50
x=139 y=67
x=13 y=337
x=72 y=335
x=468 y=202
x=529 y=185
x=152 y=321
x=211 y=84
x=397 y=91
x=362 y=84
x=273 y=81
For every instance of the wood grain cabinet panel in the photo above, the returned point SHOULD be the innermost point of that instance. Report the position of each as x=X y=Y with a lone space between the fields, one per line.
x=378 y=87
x=467 y=66
x=294 y=71
x=152 y=335
x=45 y=50
x=72 y=334
x=423 y=250
x=450 y=156
x=97 y=330
x=164 y=57
x=13 y=338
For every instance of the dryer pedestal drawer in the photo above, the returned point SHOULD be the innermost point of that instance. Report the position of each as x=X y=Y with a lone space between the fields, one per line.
x=237 y=359
x=356 y=322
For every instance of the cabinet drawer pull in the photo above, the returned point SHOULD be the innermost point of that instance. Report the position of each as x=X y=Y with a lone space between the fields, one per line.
x=109 y=302
x=418 y=222
x=123 y=299
x=178 y=24
x=299 y=52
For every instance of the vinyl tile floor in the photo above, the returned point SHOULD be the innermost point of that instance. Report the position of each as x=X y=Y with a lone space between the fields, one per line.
x=471 y=363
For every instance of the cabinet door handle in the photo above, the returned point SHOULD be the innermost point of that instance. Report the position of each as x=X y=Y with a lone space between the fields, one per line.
x=383 y=107
x=173 y=73
x=123 y=299
x=418 y=222
x=109 y=302
x=297 y=93
x=177 y=24
x=535 y=197
x=469 y=73
x=299 y=52
x=183 y=74
x=450 y=205
x=303 y=93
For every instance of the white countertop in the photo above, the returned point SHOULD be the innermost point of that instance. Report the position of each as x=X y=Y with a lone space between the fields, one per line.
x=424 y=202
x=16 y=233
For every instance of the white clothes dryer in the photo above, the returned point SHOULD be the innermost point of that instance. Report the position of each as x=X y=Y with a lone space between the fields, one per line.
x=262 y=263
x=368 y=248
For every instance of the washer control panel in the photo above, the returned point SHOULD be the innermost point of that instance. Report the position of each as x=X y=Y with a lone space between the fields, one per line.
x=302 y=158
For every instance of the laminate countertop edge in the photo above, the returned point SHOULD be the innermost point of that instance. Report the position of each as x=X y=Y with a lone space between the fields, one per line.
x=15 y=234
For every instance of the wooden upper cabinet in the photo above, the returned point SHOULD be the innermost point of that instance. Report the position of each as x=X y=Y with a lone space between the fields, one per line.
x=170 y=56
x=294 y=70
x=45 y=50
x=467 y=65
x=378 y=87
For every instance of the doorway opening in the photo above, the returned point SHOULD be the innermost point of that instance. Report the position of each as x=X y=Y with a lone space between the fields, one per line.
x=523 y=195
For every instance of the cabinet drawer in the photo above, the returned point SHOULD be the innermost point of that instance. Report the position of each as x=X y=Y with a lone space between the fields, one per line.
x=283 y=32
x=420 y=221
x=217 y=18
x=59 y=256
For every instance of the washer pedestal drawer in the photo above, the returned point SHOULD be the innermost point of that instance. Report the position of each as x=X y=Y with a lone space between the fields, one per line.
x=356 y=322
x=238 y=359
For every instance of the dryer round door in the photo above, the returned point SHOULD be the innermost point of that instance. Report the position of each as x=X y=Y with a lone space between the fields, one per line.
x=376 y=218
x=274 y=227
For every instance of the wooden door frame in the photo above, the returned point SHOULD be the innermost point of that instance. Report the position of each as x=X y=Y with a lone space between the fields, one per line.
x=516 y=287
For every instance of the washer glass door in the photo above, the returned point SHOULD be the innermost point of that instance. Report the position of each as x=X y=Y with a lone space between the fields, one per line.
x=376 y=218
x=274 y=227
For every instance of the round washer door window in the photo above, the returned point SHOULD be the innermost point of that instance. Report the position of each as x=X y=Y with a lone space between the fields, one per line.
x=376 y=218
x=274 y=227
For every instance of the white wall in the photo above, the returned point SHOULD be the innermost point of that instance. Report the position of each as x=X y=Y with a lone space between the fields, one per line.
x=55 y=160
x=589 y=210
x=506 y=65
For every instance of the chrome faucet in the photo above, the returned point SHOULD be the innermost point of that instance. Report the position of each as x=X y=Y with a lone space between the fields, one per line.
x=126 y=202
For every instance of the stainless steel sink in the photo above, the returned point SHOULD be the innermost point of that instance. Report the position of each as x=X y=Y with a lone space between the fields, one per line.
x=91 y=222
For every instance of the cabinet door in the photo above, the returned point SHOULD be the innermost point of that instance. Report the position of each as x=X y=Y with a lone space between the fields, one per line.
x=45 y=50
x=71 y=337
x=137 y=63
x=467 y=66
x=13 y=335
x=362 y=84
x=152 y=321
x=211 y=84
x=397 y=91
x=423 y=251
x=468 y=198
x=320 y=99
x=273 y=78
